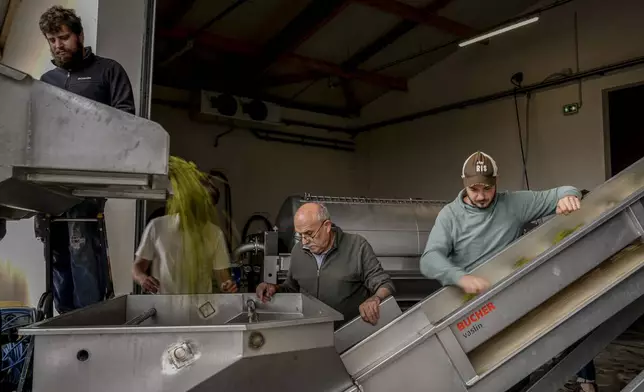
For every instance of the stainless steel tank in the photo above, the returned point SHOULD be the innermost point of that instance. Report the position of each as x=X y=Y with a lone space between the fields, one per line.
x=397 y=229
x=206 y=342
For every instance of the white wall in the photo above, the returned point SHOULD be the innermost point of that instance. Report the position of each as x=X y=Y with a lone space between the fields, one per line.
x=262 y=174
x=121 y=39
x=423 y=158
x=21 y=255
x=26 y=49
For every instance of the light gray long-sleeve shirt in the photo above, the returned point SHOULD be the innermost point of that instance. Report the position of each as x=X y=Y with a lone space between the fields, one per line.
x=463 y=236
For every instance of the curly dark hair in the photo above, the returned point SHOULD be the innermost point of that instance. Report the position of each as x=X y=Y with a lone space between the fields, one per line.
x=53 y=20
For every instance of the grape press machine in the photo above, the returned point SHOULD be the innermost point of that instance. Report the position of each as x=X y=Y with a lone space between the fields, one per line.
x=571 y=285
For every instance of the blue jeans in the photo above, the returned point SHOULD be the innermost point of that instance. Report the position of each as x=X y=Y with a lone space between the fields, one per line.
x=80 y=266
x=588 y=372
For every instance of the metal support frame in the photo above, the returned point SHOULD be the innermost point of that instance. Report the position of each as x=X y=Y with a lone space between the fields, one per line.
x=597 y=324
x=589 y=347
x=45 y=304
x=637 y=385
x=145 y=110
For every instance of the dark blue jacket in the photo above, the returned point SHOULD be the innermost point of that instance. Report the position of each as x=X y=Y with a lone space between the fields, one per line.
x=96 y=78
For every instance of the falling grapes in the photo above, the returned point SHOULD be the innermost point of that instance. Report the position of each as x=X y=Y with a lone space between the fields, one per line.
x=192 y=202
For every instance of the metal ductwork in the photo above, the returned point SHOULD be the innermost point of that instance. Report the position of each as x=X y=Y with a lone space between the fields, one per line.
x=57 y=147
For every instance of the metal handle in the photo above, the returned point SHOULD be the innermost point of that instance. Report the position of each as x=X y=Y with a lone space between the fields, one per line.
x=142 y=317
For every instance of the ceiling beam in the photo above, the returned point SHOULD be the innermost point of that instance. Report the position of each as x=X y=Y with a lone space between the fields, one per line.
x=291 y=78
x=252 y=52
x=172 y=14
x=324 y=67
x=419 y=16
x=367 y=52
x=316 y=14
x=390 y=36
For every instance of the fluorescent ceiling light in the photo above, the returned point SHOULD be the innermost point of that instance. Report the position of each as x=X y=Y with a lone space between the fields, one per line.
x=498 y=31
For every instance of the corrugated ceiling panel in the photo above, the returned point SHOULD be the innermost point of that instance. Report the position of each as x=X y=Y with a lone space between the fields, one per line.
x=255 y=21
x=288 y=91
x=481 y=14
x=419 y=39
x=285 y=68
x=352 y=29
x=320 y=93
x=417 y=3
x=413 y=67
x=366 y=93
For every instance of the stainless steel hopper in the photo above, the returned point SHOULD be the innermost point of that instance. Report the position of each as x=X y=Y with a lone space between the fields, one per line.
x=57 y=147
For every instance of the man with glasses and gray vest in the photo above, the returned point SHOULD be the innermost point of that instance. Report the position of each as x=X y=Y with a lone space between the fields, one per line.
x=481 y=221
x=338 y=268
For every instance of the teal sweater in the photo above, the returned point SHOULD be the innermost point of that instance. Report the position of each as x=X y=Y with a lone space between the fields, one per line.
x=463 y=236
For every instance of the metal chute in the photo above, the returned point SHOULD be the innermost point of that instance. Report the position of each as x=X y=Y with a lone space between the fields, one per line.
x=57 y=147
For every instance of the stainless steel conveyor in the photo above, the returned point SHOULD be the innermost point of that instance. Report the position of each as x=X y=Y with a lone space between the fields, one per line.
x=57 y=147
x=550 y=288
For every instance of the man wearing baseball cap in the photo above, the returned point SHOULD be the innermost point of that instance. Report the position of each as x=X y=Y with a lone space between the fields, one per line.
x=481 y=221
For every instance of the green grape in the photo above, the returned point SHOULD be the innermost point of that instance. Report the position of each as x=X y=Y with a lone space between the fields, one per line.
x=521 y=262
x=468 y=297
x=565 y=233
x=192 y=202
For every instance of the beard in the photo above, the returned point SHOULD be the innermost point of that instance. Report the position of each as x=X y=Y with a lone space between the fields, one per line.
x=68 y=59
x=481 y=205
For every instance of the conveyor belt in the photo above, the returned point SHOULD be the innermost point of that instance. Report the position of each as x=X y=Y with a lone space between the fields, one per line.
x=550 y=288
x=559 y=307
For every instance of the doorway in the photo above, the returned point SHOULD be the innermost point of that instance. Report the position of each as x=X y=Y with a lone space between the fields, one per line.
x=624 y=130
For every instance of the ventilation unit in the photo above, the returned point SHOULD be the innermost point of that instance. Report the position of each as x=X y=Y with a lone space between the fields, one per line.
x=239 y=111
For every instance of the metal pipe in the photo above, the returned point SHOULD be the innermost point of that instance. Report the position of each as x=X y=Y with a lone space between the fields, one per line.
x=600 y=71
x=246 y=248
x=254 y=218
x=301 y=139
x=252 y=311
x=307 y=124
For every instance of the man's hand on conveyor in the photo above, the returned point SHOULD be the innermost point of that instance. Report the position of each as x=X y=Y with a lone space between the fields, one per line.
x=370 y=310
x=568 y=204
x=473 y=284
x=265 y=291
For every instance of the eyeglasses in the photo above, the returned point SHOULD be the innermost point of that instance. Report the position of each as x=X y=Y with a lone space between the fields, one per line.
x=309 y=237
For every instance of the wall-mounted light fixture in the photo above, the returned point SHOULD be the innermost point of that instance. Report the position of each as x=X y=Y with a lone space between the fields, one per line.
x=498 y=31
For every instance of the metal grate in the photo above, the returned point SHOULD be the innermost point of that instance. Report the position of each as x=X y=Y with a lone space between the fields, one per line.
x=368 y=200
